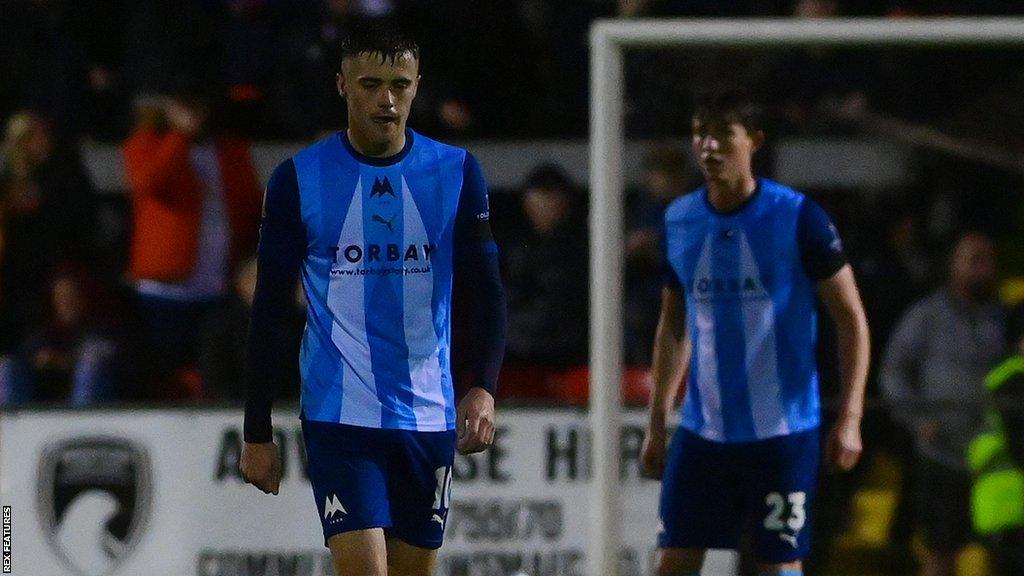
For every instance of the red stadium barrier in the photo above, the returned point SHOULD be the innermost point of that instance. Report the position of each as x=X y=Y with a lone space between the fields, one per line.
x=570 y=386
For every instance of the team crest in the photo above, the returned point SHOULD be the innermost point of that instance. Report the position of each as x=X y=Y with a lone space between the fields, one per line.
x=94 y=500
x=381 y=187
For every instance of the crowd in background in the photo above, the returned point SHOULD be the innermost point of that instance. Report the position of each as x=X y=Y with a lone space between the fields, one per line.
x=490 y=69
x=145 y=296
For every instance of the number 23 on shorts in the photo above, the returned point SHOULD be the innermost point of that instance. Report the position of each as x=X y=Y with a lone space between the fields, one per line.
x=786 y=514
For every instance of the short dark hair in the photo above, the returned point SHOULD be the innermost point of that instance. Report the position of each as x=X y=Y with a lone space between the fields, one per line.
x=382 y=37
x=728 y=106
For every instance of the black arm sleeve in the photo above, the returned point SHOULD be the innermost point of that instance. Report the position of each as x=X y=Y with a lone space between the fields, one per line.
x=476 y=265
x=821 y=250
x=282 y=247
x=1010 y=399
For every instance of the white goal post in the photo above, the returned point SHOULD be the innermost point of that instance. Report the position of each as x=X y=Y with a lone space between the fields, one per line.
x=608 y=39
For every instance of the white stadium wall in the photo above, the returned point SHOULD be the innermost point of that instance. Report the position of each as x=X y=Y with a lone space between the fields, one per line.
x=868 y=163
x=156 y=492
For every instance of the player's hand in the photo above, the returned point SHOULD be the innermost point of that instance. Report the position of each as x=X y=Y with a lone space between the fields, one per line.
x=261 y=466
x=475 y=421
x=843 y=447
x=652 y=454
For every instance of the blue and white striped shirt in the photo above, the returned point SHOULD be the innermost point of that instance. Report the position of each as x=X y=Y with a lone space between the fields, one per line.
x=380 y=242
x=748 y=277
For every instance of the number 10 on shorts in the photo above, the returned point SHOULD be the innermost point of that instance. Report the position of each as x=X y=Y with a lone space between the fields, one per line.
x=442 y=494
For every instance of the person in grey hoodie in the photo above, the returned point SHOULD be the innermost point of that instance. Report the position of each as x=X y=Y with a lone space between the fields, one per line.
x=933 y=380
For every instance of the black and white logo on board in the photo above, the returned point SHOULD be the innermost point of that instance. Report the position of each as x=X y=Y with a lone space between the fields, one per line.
x=94 y=499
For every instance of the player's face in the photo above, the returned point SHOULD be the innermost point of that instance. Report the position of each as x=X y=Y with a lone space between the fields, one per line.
x=379 y=93
x=724 y=150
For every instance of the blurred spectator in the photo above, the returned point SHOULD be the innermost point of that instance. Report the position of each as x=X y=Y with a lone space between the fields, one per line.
x=666 y=177
x=932 y=376
x=546 y=276
x=996 y=458
x=46 y=215
x=223 y=340
x=196 y=204
x=75 y=356
x=305 y=99
x=83 y=62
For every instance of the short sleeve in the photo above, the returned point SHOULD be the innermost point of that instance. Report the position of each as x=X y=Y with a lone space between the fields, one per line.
x=821 y=249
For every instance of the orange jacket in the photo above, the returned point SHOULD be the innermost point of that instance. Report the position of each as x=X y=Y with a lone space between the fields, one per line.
x=167 y=203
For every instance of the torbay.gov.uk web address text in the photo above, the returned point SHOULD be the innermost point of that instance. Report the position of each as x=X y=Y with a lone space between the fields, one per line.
x=402 y=271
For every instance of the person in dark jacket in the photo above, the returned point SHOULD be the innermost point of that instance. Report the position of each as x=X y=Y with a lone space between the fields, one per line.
x=546 y=276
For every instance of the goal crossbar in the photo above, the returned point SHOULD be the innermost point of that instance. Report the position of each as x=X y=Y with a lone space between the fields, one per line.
x=608 y=39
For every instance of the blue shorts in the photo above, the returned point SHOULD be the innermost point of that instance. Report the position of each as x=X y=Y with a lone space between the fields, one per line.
x=399 y=480
x=711 y=490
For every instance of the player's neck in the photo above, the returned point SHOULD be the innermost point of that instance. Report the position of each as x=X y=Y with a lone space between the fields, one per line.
x=374 y=149
x=727 y=195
